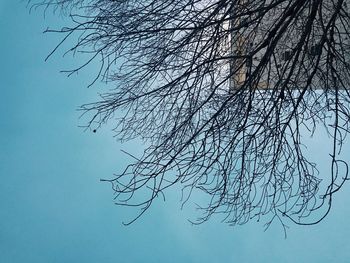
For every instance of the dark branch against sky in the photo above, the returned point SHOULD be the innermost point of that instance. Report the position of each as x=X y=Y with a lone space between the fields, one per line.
x=224 y=94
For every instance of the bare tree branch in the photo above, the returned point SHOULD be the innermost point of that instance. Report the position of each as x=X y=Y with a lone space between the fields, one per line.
x=224 y=93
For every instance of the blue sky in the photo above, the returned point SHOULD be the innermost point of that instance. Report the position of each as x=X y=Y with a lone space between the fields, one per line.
x=55 y=209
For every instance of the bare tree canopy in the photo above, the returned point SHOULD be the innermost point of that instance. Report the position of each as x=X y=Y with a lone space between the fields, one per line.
x=224 y=93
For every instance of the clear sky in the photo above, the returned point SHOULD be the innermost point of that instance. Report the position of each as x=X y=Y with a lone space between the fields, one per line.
x=55 y=209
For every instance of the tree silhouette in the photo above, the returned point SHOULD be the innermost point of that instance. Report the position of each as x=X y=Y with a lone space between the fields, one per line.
x=223 y=92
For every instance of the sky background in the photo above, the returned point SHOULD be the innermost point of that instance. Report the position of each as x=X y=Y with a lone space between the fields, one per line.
x=55 y=209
